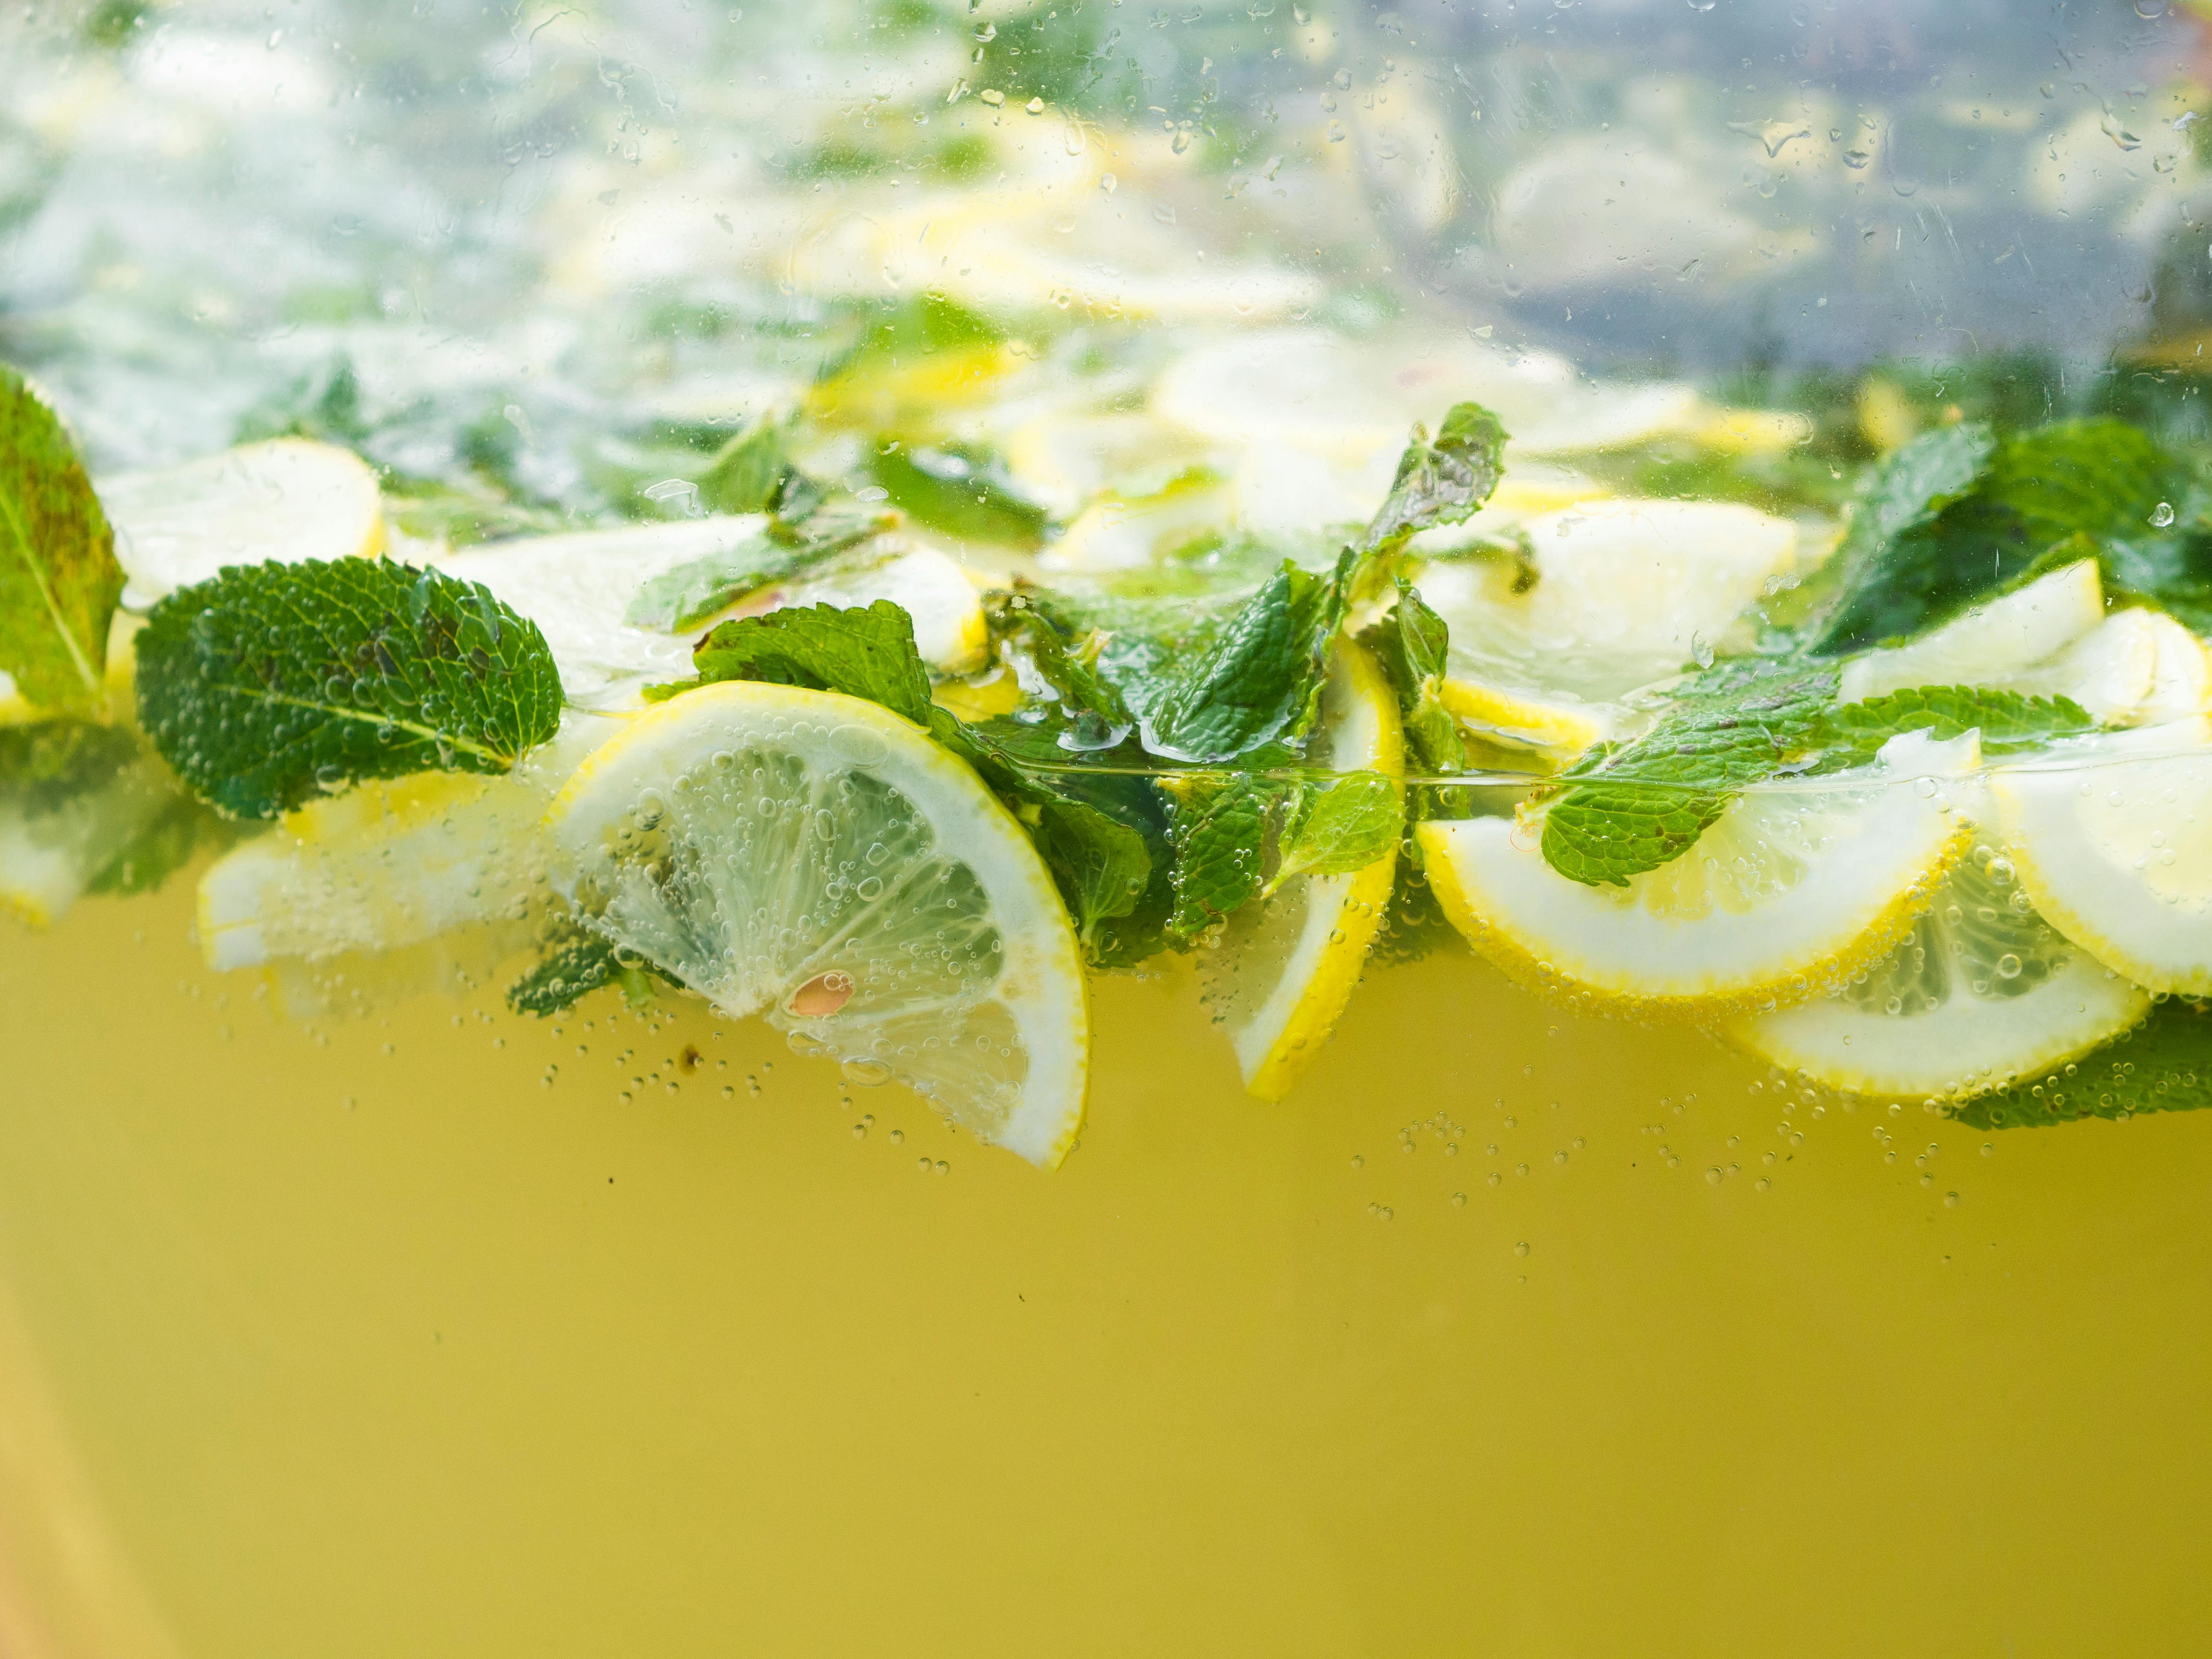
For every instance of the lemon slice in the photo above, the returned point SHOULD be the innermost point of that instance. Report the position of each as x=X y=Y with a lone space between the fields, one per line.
x=817 y=861
x=1285 y=968
x=1791 y=890
x=1624 y=593
x=388 y=864
x=2137 y=667
x=1998 y=641
x=1119 y=533
x=1980 y=993
x=276 y=502
x=578 y=589
x=1064 y=461
x=2114 y=848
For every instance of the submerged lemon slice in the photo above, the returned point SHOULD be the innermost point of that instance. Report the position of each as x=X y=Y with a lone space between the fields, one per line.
x=2114 y=848
x=1794 y=889
x=281 y=501
x=1285 y=968
x=2000 y=642
x=1980 y=993
x=1622 y=593
x=388 y=864
x=817 y=861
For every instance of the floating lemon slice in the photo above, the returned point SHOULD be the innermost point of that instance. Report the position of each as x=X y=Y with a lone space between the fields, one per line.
x=1794 y=889
x=1285 y=968
x=388 y=864
x=2114 y=848
x=276 y=502
x=1621 y=593
x=578 y=589
x=819 y=862
x=1980 y=993
x=2000 y=641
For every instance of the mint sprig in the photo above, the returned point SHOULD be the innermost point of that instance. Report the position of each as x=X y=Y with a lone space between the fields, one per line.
x=270 y=684
x=686 y=596
x=59 y=580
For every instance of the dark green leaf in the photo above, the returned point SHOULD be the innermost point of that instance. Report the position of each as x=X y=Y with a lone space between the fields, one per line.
x=58 y=577
x=861 y=652
x=1255 y=683
x=1901 y=495
x=272 y=684
x=1442 y=481
x=2165 y=1064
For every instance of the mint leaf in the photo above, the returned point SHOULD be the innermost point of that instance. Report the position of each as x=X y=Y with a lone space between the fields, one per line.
x=96 y=796
x=687 y=595
x=1219 y=830
x=272 y=684
x=1902 y=495
x=1850 y=733
x=1254 y=684
x=863 y=652
x=2100 y=480
x=2165 y=1064
x=1629 y=808
x=1411 y=643
x=1334 y=827
x=960 y=490
x=58 y=577
x=574 y=962
x=1442 y=481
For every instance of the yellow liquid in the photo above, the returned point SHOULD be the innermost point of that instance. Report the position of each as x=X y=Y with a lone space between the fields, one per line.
x=312 y=1348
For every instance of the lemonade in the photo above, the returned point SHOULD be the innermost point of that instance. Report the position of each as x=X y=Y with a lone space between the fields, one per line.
x=1005 y=900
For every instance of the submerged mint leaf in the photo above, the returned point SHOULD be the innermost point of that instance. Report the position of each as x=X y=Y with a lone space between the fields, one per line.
x=863 y=652
x=272 y=684
x=1633 y=807
x=1851 y=733
x=2165 y=1064
x=1337 y=826
x=574 y=963
x=103 y=812
x=58 y=578
x=1253 y=685
x=1411 y=642
x=1442 y=480
x=1218 y=829
x=1052 y=666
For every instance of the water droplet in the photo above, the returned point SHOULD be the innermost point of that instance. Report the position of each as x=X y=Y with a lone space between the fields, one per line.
x=1521 y=1248
x=2162 y=515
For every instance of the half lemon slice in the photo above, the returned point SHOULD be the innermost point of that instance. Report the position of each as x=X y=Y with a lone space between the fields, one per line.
x=817 y=861
x=1285 y=968
x=1619 y=593
x=1982 y=992
x=1794 y=889
x=279 y=501
x=2114 y=848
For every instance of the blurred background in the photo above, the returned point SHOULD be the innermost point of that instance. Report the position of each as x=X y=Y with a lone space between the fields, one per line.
x=537 y=258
